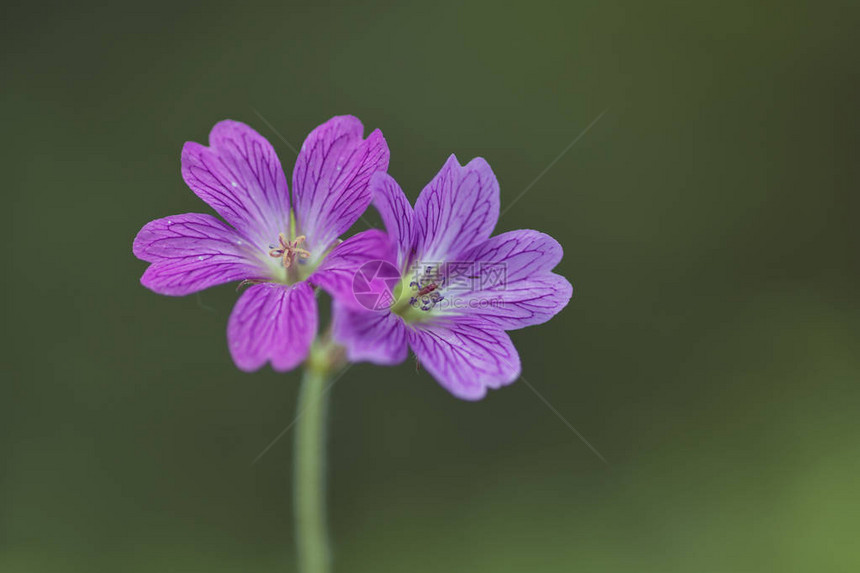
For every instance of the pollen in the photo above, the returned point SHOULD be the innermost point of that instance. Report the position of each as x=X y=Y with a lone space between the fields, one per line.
x=427 y=287
x=288 y=250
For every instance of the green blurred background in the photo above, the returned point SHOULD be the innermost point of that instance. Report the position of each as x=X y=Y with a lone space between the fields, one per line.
x=710 y=353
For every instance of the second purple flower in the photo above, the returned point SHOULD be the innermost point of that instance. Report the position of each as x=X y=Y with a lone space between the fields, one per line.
x=459 y=288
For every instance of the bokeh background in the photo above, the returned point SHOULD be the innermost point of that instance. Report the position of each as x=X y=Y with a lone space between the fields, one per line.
x=709 y=221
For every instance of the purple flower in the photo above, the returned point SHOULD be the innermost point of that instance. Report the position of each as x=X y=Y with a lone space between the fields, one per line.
x=281 y=253
x=460 y=288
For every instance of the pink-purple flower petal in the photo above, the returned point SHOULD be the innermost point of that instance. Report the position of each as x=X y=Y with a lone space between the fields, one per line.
x=397 y=215
x=464 y=356
x=459 y=208
x=272 y=323
x=336 y=273
x=330 y=180
x=378 y=337
x=524 y=253
x=522 y=303
x=240 y=176
x=192 y=252
x=514 y=287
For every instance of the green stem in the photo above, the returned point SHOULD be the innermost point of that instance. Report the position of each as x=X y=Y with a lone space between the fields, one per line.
x=309 y=468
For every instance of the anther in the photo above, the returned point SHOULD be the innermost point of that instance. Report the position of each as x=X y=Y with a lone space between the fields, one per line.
x=289 y=250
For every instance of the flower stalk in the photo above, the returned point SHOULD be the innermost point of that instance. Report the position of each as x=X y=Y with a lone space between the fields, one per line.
x=309 y=480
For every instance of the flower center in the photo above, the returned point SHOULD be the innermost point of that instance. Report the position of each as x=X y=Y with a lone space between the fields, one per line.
x=426 y=294
x=427 y=287
x=288 y=250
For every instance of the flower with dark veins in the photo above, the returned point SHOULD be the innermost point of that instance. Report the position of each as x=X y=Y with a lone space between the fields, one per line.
x=460 y=288
x=281 y=254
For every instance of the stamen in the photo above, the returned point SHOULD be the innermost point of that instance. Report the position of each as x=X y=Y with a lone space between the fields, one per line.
x=427 y=286
x=250 y=282
x=289 y=250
